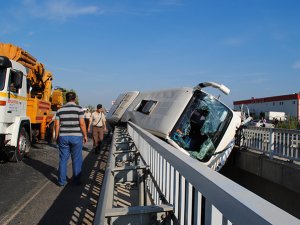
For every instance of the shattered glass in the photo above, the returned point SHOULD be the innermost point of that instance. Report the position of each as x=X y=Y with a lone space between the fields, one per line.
x=201 y=126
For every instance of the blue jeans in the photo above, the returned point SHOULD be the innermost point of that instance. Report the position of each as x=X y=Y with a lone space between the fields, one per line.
x=69 y=145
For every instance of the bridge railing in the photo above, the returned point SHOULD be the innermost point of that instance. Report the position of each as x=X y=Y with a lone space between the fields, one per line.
x=198 y=194
x=273 y=142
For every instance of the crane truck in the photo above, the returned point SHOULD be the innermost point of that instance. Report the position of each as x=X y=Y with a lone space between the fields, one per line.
x=27 y=101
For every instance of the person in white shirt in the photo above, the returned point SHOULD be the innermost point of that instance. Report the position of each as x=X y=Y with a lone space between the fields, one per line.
x=98 y=121
x=87 y=116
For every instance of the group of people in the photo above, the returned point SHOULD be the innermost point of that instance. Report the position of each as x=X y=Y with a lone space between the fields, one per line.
x=72 y=125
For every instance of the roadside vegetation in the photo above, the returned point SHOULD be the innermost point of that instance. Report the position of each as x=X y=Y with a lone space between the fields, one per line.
x=291 y=123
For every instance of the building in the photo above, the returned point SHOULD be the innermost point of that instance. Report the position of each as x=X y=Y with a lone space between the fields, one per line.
x=283 y=103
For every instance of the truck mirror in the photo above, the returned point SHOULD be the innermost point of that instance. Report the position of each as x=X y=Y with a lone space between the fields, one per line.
x=18 y=78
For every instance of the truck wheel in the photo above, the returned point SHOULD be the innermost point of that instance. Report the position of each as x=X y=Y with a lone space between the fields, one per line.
x=23 y=146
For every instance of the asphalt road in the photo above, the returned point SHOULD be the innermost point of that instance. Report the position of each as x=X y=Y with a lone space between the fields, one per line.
x=29 y=193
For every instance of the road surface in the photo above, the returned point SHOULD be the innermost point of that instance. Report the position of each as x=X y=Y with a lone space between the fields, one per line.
x=30 y=194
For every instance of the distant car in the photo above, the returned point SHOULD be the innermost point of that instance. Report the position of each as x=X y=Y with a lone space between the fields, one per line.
x=259 y=123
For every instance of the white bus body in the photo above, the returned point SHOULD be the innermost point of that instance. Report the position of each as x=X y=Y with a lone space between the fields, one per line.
x=177 y=115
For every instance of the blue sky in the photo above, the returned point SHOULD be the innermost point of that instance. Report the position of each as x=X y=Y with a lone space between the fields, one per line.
x=104 y=48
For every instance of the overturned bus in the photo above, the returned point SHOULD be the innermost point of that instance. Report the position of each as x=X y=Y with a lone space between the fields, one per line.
x=191 y=120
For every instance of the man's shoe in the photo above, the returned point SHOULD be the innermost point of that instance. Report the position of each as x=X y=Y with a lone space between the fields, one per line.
x=61 y=184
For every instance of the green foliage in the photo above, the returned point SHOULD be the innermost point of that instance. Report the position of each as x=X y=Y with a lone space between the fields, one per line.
x=64 y=96
x=291 y=123
x=91 y=108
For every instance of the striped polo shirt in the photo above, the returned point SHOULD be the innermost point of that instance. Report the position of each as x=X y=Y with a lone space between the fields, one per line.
x=68 y=116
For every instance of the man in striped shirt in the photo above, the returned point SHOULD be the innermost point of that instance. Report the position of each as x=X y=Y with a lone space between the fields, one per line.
x=70 y=132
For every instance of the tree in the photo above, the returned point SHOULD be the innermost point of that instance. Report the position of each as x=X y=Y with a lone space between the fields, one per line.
x=90 y=107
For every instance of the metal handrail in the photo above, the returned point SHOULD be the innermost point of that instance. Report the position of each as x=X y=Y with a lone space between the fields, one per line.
x=106 y=186
x=200 y=195
x=283 y=143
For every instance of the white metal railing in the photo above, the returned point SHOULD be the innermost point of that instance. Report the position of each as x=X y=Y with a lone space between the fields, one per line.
x=280 y=142
x=199 y=194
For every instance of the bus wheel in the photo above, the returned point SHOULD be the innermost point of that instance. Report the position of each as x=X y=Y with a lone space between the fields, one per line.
x=23 y=146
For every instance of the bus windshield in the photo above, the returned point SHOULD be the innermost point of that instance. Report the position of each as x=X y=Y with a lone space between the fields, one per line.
x=201 y=126
x=2 y=78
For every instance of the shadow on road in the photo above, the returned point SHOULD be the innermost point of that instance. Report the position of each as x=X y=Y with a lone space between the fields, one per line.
x=48 y=171
x=3 y=158
x=77 y=204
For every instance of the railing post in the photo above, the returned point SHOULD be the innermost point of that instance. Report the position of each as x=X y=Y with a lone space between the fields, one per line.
x=271 y=143
x=141 y=183
x=141 y=187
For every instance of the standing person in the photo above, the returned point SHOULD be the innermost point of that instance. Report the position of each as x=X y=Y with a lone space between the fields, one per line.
x=98 y=121
x=87 y=116
x=69 y=128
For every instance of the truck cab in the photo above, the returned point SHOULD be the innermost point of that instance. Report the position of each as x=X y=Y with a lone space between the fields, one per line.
x=14 y=124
